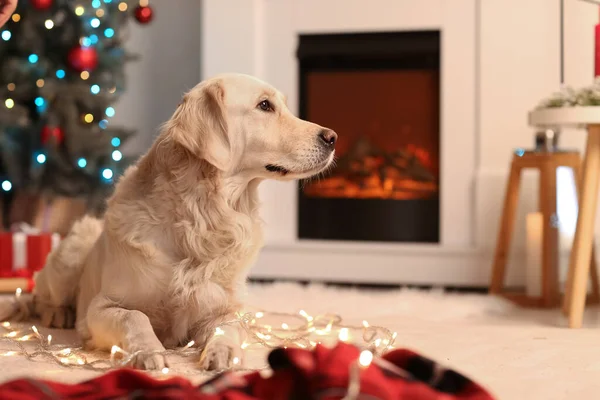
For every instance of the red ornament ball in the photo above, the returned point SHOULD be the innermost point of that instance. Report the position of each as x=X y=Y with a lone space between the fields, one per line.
x=82 y=58
x=41 y=4
x=52 y=132
x=143 y=14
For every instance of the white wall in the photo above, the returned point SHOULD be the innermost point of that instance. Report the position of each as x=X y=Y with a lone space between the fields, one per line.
x=520 y=65
x=169 y=65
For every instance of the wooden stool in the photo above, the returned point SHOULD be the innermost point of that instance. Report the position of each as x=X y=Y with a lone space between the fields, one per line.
x=547 y=163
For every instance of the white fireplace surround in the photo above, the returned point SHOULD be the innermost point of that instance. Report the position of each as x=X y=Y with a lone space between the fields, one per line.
x=479 y=65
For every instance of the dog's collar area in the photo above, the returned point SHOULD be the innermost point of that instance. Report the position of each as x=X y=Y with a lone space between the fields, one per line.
x=276 y=168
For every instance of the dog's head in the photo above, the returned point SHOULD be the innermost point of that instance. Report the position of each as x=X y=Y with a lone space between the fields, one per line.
x=240 y=124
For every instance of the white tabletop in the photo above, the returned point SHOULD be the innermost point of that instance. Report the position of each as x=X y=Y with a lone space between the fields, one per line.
x=565 y=116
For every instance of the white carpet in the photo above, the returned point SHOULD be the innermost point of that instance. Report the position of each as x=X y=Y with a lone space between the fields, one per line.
x=516 y=354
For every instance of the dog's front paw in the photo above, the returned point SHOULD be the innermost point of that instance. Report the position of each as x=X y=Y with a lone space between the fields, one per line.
x=151 y=362
x=146 y=353
x=220 y=355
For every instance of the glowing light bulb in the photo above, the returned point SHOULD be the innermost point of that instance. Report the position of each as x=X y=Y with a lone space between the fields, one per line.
x=35 y=330
x=49 y=340
x=365 y=358
x=40 y=83
x=96 y=3
x=94 y=38
x=284 y=326
x=40 y=103
x=95 y=22
x=6 y=186
x=6 y=35
x=122 y=6
x=60 y=73
x=263 y=336
x=259 y=314
x=236 y=360
x=85 y=41
x=64 y=360
x=107 y=173
x=115 y=349
x=219 y=331
x=84 y=75
x=11 y=87
x=33 y=58
x=89 y=118
x=11 y=334
x=110 y=112
x=365 y=324
x=18 y=292
x=16 y=17
x=79 y=10
x=116 y=142
x=190 y=344
x=103 y=124
x=10 y=353
x=80 y=361
x=9 y=103
x=165 y=370
x=305 y=315
x=41 y=158
x=6 y=324
x=244 y=345
x=82 y=162
x=95 y=89
x=49 y=24
x=144 y=3
x=65 y=351
x=99 y=13
x=344 y=335
x=109 y=32
x=117 y=156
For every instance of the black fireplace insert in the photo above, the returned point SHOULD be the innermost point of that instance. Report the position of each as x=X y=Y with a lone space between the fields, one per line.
x=381 y=93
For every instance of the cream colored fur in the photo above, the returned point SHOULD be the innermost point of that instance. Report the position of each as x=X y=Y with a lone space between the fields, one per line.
x=170 y=259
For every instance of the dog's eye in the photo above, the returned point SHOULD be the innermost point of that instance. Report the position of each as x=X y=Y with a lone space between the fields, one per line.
x=265 y=105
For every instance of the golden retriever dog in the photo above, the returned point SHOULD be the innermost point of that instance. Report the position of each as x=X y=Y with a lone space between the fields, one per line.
x=168 y=262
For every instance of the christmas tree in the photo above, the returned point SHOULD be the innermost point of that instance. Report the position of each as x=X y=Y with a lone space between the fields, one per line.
x=61 y=71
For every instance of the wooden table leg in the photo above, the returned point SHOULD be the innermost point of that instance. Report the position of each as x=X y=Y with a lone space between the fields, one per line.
x=547 y=205
x=507 y=222
x=584 y=235
x=595 y=298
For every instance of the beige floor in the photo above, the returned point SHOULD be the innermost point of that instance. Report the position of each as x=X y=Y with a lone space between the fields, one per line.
x=516 y=354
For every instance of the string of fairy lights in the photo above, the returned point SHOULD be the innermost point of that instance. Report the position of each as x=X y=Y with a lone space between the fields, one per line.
x=93 y=14
x=264 y=330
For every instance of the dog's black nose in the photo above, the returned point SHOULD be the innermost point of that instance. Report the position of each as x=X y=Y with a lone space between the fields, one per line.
x=328 y=137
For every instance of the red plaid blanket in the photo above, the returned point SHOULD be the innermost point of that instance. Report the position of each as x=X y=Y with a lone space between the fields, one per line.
x=297 y=374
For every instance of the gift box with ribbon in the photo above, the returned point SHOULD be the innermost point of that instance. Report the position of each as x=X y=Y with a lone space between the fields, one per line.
x=23 y=252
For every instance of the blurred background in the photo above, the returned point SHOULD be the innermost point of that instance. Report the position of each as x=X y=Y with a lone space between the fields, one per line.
x=430 y=99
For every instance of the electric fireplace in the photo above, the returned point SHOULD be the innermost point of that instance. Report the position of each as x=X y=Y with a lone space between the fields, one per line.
x=381 y=93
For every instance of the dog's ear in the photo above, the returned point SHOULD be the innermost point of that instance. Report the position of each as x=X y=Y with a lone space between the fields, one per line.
x=200 y=126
